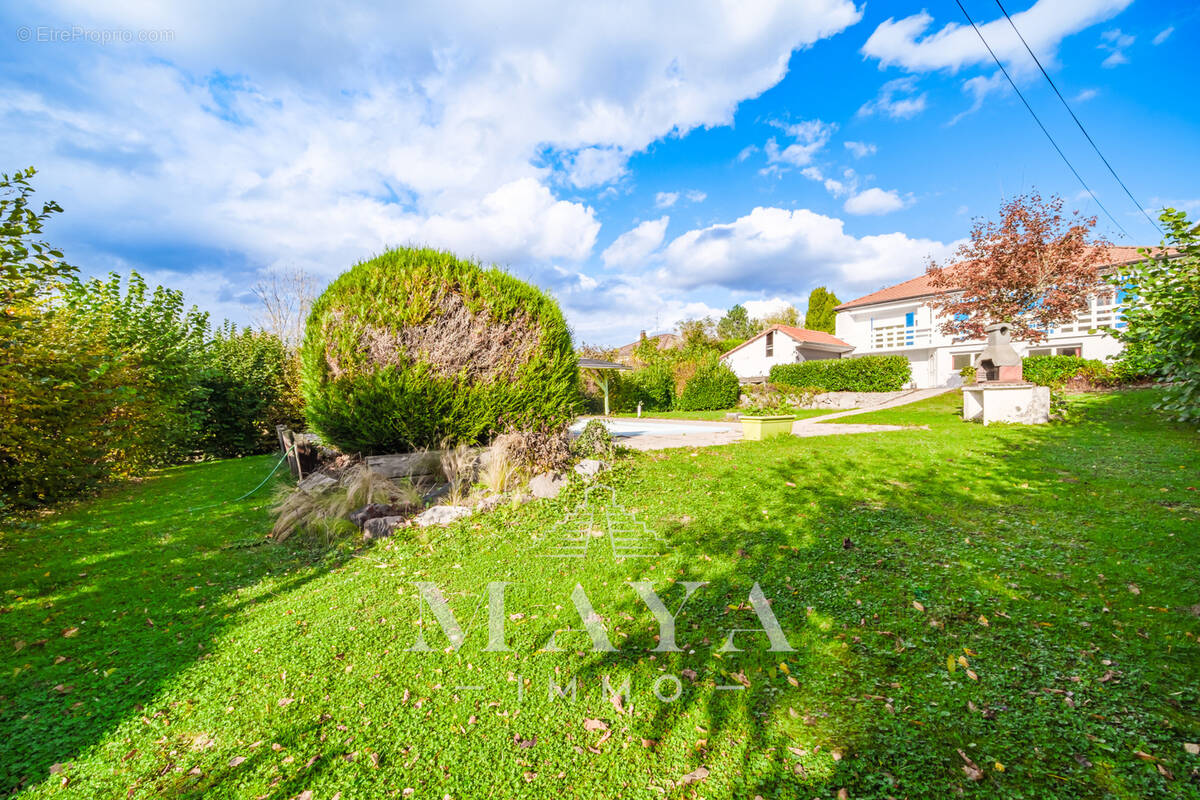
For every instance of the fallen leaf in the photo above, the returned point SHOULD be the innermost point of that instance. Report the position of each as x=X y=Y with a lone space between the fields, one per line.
x=649 y=744
x=1144 y=756
x=972 y=770
x=696 y=775
x=793 y=681
x=594 y=725
x=999 y=767
x=972 y=675
x=233 y=762
x=690 y=674
x=524 y=743
x=286 y=701
x=1133 y=587
x=618 y=703
x=69 y=632
x=917 y=605
x=843 y=794
x=1192 y=748
x=983 y=620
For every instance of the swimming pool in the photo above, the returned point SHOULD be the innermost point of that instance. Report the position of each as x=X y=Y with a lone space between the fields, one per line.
x=637 y=427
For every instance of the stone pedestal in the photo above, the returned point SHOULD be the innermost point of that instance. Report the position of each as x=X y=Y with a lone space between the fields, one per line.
x=1022 y=403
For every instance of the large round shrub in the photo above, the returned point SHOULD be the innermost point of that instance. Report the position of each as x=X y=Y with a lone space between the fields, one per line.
x=416 y=347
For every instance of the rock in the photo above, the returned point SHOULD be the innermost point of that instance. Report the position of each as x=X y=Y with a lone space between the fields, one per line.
x=380 y=527
x=441 y=515
x=317 y=482
x=547 y=485
x=732 y=416
x=590 y=467
x=370 y=511
x=437 y=492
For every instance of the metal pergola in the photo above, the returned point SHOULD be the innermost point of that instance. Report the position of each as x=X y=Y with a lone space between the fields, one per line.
x=599 y=369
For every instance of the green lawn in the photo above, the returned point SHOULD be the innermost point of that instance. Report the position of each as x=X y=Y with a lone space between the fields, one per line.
x=716 y=416
x=150 y=652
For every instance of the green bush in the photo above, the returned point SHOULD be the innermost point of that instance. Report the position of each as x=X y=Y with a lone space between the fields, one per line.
x=865 y=374
x=653 y=387
x=249 y=387
x=594 y=441
x=1055 y=371
x=416 y=347
x=714 y=386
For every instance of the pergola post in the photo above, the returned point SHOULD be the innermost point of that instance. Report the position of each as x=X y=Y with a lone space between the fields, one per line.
x=599 y=369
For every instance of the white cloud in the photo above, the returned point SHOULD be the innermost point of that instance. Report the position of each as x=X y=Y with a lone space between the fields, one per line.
x=747 y=151
x=1163 y=35
x=907 y=43
x=665 y=199
x=696 y=196
x=874 y=201
x=760 y=308
x=774 y=249
x=632 y=248
x=1115 y=43
x=444 y=123
x=596 y=166
x=810 y=137
x=897 y=99
x=861 y=149
x=979 y=88
x=1085 y=95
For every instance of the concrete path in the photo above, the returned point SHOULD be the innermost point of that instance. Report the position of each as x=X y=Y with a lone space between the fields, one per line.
x=707 y=434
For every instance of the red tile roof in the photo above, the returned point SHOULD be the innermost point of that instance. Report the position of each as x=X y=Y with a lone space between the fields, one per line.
x=802 y=335
x=920 y=286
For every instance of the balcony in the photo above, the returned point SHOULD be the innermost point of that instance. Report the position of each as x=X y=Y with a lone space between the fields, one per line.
x=894 y=337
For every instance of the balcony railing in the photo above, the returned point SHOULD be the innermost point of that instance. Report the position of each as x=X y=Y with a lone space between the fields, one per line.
x=891 y=337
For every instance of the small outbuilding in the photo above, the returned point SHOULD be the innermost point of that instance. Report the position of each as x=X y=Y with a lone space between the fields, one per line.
x=752 y=360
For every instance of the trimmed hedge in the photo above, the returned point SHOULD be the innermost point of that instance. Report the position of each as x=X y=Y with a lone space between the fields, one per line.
x=865 y=374
x=1057 y=371
x=713 y=387
x=416 y=348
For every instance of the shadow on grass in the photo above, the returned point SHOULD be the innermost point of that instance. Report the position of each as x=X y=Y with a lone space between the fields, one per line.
x=106 y=601
x=877 y=581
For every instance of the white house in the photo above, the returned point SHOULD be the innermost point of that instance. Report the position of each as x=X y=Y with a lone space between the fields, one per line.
x=898 y=320
x=781 y=344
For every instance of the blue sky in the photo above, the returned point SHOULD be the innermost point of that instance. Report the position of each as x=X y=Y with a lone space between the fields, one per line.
x=644 y=163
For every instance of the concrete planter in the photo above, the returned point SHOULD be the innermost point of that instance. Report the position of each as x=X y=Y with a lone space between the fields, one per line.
x=755 y=429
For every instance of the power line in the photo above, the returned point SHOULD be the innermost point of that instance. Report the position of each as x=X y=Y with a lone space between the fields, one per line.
x=1077 y=122
x=1029 y=108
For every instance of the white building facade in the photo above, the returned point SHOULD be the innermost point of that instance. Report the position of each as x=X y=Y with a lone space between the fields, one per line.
x=752 y=360
x=898 y=320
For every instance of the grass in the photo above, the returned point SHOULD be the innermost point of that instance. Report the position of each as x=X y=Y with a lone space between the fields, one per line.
x=717 y=416
x=148 y=652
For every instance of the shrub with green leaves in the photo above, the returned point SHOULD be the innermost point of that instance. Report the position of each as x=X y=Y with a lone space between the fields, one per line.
x=249 y=385
x=416 y=348
x=1055 y=371
x=1162 y=316
x=652 y=386
x=864 y=374
x=594 y=441
x=714 y=386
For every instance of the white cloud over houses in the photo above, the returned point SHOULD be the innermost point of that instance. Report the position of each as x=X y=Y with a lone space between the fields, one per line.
x=774 y=249
x=280 y=134
x=874 y=201
x=632 y=248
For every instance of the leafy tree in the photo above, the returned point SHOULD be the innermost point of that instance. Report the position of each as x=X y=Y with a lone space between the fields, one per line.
x=1034 y=269
x=698 y=334
x=820 y=315
x=1162 y=314
x=736 y=324
x=784 y=316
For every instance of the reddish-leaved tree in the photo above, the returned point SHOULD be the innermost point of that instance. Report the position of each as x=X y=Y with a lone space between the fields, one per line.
x=1034 y=269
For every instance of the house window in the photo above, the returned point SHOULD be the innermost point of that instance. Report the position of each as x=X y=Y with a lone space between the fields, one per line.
x=1046 y=351
x=770 y=343
x=960 y=360
x=1069 y=351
